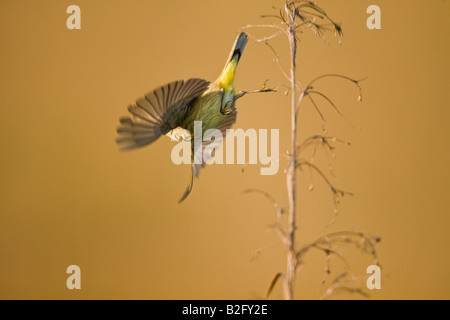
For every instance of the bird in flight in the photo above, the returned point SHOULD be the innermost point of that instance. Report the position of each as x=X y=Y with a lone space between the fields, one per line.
x=172 y=109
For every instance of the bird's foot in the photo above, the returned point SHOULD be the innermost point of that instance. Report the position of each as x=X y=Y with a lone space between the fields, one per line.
x=224 y=110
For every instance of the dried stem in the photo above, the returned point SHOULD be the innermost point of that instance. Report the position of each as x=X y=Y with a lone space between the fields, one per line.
x=272 y=284
x=293 y=17
x=291 y=174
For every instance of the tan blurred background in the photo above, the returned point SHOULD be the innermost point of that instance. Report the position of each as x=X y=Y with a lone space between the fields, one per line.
x=67 y=196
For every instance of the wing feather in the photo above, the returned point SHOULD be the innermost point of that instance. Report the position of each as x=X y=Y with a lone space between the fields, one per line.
x=227 y=124
x=158 y=112
x=196 y=167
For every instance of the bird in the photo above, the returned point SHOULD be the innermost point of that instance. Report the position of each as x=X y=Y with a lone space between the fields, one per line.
x=172 y=109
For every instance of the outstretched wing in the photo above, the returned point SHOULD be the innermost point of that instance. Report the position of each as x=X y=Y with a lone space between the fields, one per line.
x=158 y=112
x=198 y=161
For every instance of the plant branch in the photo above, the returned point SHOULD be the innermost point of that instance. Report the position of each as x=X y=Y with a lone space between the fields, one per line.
x=272 y=284
x=294 y=17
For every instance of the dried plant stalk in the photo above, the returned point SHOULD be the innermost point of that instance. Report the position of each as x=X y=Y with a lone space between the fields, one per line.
x=291 y=173
x=295 y=16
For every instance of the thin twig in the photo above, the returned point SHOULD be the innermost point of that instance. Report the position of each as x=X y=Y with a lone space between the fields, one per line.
x=277 y=59
x=277 y=207
x=335 y=75
x=272 y=284
x=309 y=92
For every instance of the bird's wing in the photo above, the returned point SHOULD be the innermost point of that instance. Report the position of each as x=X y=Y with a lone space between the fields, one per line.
x=227 y=124
x=158 y=112
x=199 y=158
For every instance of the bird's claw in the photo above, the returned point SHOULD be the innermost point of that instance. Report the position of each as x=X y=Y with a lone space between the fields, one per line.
x=224 y=110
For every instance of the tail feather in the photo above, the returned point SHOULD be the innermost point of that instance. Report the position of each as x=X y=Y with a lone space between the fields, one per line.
x=239 y=46
x=226 y=78
x=189 y=187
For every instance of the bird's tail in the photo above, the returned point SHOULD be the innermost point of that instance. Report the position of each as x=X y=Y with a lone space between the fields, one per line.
x=189 y=187
x=226 y=78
